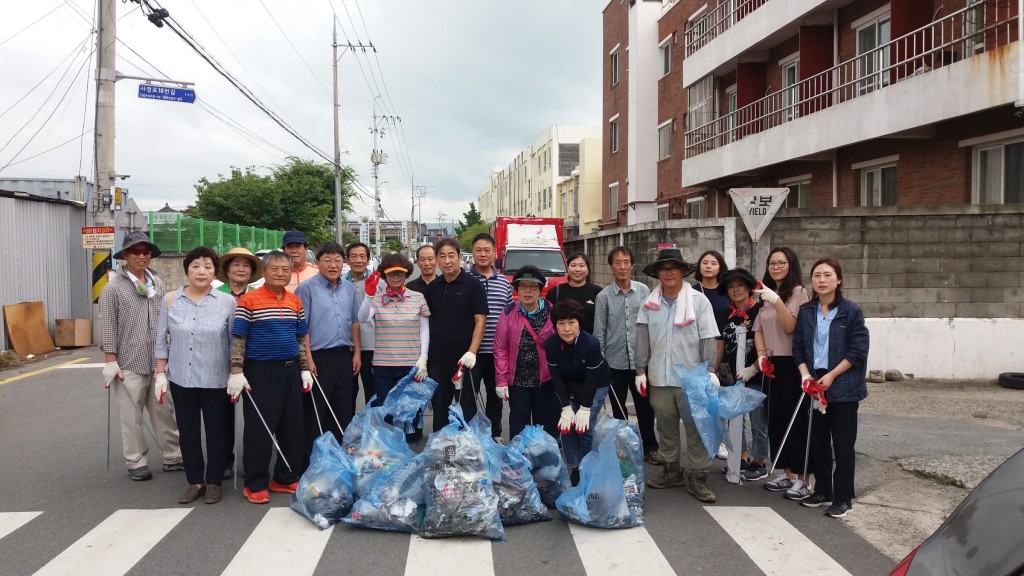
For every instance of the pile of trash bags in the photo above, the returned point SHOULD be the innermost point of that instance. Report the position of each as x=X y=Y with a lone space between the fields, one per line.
x=381 y=447
x=396 y=501
x=407 y=400
x=709 y=406
x=324 y=494
x=546 y=464
x=630 y=454
x=519 y=500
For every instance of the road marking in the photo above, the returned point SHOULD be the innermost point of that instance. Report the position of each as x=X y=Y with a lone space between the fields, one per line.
x=88 y=365
x=40 y=371
x=283 y=543
x=116 y=544
x=11 y=521
x=629 y=551
x=774 y=544
x=444 y=557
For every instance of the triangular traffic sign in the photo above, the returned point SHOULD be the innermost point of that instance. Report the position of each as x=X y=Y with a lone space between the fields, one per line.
x=757 y=207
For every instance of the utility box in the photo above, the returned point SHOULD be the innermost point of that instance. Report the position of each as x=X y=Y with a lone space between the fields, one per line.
x=72 y=332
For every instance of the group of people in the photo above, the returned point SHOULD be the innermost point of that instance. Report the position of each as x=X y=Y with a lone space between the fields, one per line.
x=297 y=346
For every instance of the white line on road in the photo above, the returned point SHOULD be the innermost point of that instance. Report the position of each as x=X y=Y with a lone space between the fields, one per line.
x=630 y=551
x=11 y=521
x=283 y=543
x=428 y=557
x=89 y=365
x=774 y=544
x=116 y=544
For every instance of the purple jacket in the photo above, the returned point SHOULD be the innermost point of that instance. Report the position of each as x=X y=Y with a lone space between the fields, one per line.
x=506 y=345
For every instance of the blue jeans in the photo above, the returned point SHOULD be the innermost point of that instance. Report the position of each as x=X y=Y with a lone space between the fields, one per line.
x=385 y=378
x=759 y=428
x=576 y=446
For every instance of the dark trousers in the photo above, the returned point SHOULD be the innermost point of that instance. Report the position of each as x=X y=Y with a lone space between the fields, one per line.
x=625 y=380
x=334 y=373
x=366 y=376
x=385 y=378
x=195 y=408
x=784 y=394
x=493 y=406
x=441 y=366
x=836 y=430
x=533 y=406
x=277 y=392
x=229 y=435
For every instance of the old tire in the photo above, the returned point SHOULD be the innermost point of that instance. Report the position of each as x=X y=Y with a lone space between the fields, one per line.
x=1013 y=380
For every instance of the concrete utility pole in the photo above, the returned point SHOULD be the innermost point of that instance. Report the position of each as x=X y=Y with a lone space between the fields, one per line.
x=338 y=222
x=101 y=204
x=378 y=157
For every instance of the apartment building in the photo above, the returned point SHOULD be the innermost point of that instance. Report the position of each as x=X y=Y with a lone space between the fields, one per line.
x=579 y=195
x=527 y=186
x=847 y=103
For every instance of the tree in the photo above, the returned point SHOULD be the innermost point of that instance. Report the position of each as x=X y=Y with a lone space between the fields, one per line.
x=298 y=195
x=393 y=245
x=466 y=238
x=469 y=218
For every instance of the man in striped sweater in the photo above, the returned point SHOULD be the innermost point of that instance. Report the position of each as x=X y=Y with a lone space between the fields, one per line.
x=499 y=295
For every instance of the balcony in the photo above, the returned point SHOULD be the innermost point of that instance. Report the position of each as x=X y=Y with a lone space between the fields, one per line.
x=878 y=93
x=709 y=26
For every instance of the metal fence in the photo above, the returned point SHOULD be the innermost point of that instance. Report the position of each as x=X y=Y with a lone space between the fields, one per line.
x=176 y=233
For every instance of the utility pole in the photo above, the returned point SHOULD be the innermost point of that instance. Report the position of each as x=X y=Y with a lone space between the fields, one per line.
x=101 y=204
x=378 y=157
x=338 y=222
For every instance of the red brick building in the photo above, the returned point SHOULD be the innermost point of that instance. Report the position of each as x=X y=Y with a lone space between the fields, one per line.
x=847 y=103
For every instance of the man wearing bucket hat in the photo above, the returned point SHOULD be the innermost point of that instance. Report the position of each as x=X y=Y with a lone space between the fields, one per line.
x=294 y=245
x=238 y=269
x=676 y=325
x=129 y=310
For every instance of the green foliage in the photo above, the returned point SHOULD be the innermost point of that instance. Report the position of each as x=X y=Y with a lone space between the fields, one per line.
x=471 y=217
x=393 y=245
x=466 y=238
x=298 y=195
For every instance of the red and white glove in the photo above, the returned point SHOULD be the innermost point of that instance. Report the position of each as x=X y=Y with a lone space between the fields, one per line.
x=766 y=294
x=582 y=422
x=237 y=383
x=160 y=387
x=765 y=366
x=370 y=286
x=502 y=392
x=421 y=369
x=566 y=419
x=307 y=380
x=641 y=384
x=457 y=378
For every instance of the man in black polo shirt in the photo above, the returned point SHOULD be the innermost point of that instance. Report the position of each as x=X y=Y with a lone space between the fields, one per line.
x=458 y=316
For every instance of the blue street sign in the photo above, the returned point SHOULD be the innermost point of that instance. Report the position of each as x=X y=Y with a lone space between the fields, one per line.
x=167 y=93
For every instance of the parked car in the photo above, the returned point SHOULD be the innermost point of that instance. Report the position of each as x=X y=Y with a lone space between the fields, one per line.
x=983 y=535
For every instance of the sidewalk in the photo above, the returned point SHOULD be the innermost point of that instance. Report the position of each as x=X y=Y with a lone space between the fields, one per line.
x=922 y=446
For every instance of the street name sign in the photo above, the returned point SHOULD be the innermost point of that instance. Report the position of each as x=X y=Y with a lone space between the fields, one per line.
x=97 y=237
x=757 y=206
x=167 y=93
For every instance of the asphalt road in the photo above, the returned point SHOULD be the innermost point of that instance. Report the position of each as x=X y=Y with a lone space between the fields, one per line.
x=86 y=520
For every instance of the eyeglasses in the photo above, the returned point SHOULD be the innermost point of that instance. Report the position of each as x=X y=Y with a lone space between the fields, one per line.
x=781 y=264
x=139 y=251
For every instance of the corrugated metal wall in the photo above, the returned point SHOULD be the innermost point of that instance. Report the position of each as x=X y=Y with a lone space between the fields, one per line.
x=41 y=258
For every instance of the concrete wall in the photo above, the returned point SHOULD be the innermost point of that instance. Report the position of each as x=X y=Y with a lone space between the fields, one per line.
x=169 y=269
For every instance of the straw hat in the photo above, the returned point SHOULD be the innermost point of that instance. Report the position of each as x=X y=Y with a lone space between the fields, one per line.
x=225 y=260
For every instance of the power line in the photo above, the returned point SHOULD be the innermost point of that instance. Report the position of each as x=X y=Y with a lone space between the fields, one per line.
x=72 y=139
x=77 y=48
x=36 y=21
x=297 y=53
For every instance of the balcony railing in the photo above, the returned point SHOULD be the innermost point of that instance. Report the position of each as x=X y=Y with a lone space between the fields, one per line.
x=978 y=28
x=710 y=25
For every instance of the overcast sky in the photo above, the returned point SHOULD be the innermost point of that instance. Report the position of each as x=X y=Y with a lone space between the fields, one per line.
x=473 y=81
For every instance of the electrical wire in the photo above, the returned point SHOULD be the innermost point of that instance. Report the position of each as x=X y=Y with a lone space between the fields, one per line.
x=296 y=50
x=72 y=139
x=36 y=21
x=77 y=48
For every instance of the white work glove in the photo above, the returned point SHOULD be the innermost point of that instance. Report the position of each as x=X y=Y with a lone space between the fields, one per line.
x=502 y=392
x=566 y=420
x=714 y=379
x=641 y=384
x=747 y=373
x=766 y=293
x=421 y=369
x=468 y=360
x=110 y=371
x=237 y=383
x=582 y=420
x=307 y=380
x=160 y=387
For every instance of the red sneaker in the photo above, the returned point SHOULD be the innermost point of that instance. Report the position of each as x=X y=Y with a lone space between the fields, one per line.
x=261 y=497
x=287 y=488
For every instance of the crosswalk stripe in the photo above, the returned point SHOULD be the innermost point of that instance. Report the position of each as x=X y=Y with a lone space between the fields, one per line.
x=11 y=521
x=629 y=551
x=283 y=543
x=432 y=557
x=116 y=544
x=774 y=544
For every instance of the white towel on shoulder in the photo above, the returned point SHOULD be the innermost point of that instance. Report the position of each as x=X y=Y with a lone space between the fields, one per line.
x=684 y=305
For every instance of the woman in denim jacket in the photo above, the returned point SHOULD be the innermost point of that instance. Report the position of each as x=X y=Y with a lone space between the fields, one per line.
x=830 y=348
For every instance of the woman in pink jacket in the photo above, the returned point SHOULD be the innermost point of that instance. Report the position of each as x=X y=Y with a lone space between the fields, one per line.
x=520 y=366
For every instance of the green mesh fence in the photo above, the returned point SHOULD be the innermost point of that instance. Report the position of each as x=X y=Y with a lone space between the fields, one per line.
x=178 y=233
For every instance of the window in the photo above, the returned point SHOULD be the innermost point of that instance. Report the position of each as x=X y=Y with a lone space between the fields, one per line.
x=700 y=102
x=665 y=140
x=662 y=212
x=790 y=94
x=613 y=201
x=999 y=173
x=615 y=66
x=731 y=106
x=877 y=184
x=666 y=55
x=614 y=129
x=799 y=191
x=872 y=64
x=974 y=25
x=698 y=207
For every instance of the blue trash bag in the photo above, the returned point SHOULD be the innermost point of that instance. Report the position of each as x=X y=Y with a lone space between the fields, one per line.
x=546 y=462
x=407 y=401
x=382 y=446
x=459 y=495
x=737 y=400
x=598 y=500
x=702 y=396
x=324 y=494
x=518 y=499
x=630 y=452
x=396 y=502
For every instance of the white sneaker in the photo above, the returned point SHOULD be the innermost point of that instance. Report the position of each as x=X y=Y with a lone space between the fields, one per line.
x=778 y=484
x=798 y=491
x=723 y=452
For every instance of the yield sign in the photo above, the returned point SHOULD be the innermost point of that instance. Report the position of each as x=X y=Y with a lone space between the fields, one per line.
x=757 y=206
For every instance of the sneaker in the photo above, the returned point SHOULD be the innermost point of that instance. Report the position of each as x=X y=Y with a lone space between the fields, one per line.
x=276 y=486
x=778 y=484
x=755 y=472
x=723 y=452
x=174 y=467
x=260 y=497
x=799 y=491
x=816 y=500
x=838 y=510
x=140 y=474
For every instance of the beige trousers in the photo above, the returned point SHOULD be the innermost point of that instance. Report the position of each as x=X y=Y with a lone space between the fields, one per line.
x=665 y=402
x=134 y=395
